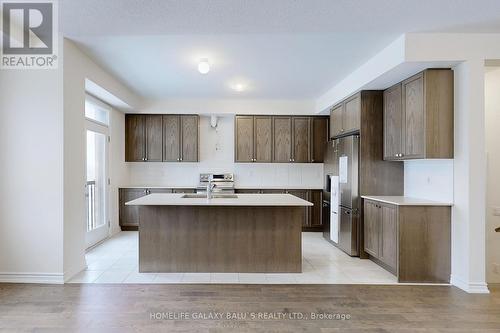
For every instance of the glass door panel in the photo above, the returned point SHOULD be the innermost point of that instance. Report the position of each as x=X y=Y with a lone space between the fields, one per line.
x=96 y=187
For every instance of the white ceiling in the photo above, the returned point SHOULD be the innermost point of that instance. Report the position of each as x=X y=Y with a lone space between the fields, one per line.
x=290 y=49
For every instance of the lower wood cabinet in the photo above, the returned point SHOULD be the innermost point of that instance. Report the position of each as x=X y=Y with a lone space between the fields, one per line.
x=412 y=242
x=313 y=216
x=129 y=215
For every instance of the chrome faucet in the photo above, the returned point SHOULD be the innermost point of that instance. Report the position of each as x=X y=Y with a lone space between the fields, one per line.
x=210 y=188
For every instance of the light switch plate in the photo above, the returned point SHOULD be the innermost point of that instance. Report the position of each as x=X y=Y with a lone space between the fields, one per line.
x=496 y=268
x=496 y=211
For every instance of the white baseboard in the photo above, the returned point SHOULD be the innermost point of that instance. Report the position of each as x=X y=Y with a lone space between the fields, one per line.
x=470 y=287
x=49 y=278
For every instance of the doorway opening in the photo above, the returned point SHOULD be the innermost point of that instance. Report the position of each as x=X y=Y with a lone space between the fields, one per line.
x=97 y=180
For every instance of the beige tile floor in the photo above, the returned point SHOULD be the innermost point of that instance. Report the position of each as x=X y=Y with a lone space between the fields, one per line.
x=115 y=261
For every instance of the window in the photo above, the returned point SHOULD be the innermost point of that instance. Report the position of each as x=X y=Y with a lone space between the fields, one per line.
x=96 y=110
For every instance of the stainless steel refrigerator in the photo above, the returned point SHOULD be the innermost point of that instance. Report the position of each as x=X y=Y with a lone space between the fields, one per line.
x=342 y=160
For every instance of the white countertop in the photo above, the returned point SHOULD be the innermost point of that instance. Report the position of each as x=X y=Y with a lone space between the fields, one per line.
x=238 y=187
x=264 y=187
x=405 y=201
x=159 y=187
x=176 y=199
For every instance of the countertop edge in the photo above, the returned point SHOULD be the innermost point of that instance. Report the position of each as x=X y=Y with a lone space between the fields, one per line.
x=399 y=201
x=174 y=200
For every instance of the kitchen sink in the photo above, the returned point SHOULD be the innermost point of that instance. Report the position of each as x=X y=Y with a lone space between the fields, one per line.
x=214 y=196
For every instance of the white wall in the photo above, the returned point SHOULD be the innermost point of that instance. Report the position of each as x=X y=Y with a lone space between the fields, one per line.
x=492 y=107
x=231 y=106
x=31 y=176
x=118 y=170
x=217 y=155
x=77 y=68
x=429 y=179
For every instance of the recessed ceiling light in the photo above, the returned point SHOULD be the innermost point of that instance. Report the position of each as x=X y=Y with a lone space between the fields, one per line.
x=203 y=66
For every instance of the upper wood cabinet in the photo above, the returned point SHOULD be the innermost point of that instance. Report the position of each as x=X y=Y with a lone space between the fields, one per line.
x=301 y=139
x=345 y=117
x=336 y=120
x=189 y=138
x=263 y=142
x=253 y=138
x=156 y=138
x=319 y=134
x=418 y=117
x=351 y=115
x=180 y=136
x=244 y=137
x=393 y=120
x=171 y=138
x=135 y=139
x=143 y=135
x=280 y=139
x=282 y=143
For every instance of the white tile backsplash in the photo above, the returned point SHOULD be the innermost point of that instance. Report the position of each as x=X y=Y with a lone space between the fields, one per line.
x=429 y=179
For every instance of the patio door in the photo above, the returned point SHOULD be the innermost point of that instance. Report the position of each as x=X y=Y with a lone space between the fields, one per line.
x=96 y=189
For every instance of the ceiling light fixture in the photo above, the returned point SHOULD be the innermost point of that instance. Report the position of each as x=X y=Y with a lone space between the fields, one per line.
x=203 y=66
x=239 y=87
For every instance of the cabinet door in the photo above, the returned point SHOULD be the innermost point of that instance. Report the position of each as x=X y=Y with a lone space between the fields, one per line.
x=263 y=130
x=303 y=194
x=282 y=143
x=316 y=211
x=244 y=139
x=319 y=140
x=189 y=138
x=183 y=190
x=371 y=228
x=129 y=215
x=413 y=117
x=301 y=139
x=352 y=114
x=135 y=144
x=154 y=138
x=248 y=191
x=336 y=121
x=171 y=138
x=272 y=191
x=389 y=236
x=393 y=123
x=160 y=190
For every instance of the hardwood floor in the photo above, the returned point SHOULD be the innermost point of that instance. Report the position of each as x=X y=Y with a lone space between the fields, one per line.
x=129 y=308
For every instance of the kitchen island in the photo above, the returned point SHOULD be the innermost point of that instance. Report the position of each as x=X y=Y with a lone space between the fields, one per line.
x=243 y=233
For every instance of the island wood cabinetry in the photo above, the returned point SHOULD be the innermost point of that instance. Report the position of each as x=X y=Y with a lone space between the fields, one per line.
x=412 y=241
x=157 y=138
x=418 y=117
x=345 y=117
x=280 y=139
